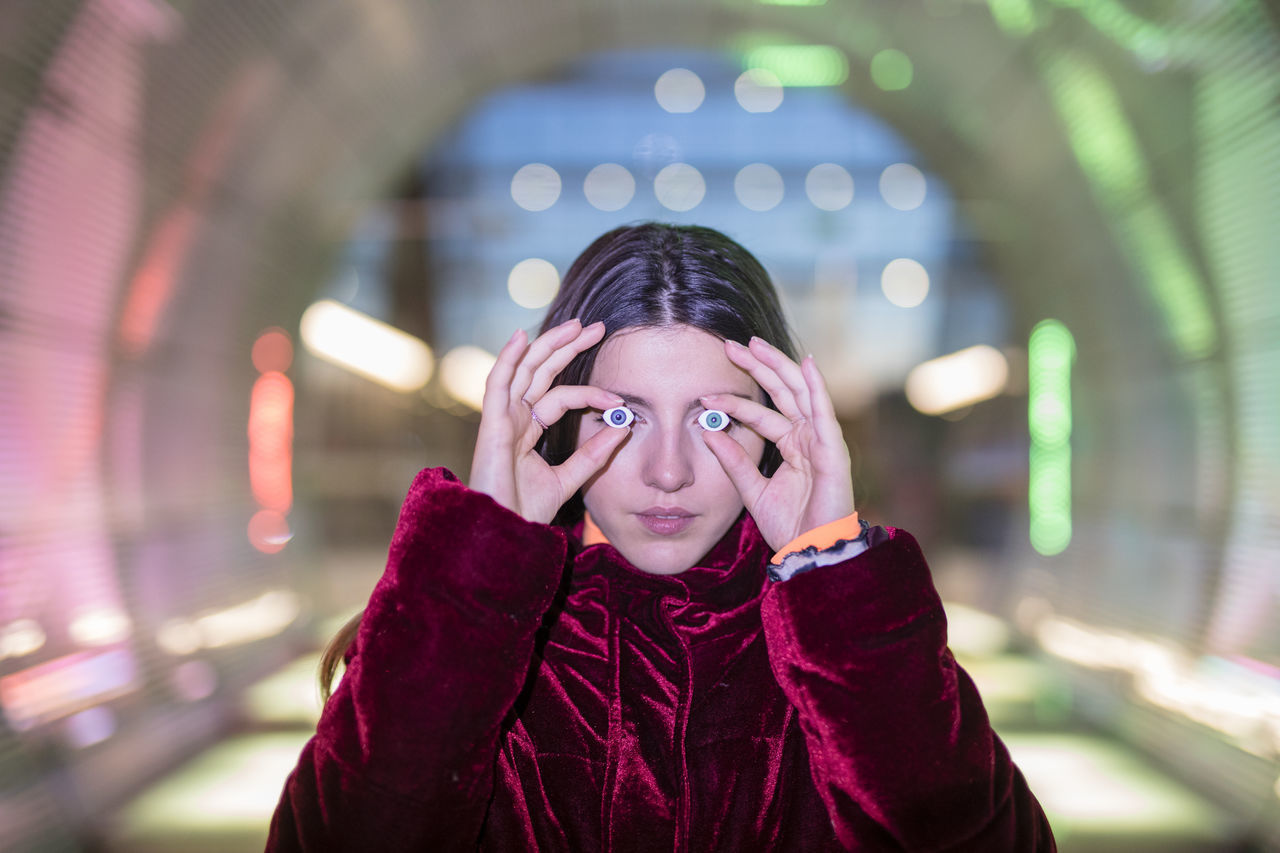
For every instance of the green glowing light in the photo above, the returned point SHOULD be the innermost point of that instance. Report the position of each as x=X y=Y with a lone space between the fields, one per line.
x=1173 y=279
x=1097 y=128
x=1051 y=351
x=891 y=70
x=800 y=64
x=1107 y=150
x=1146 y=40
x=1015 y=17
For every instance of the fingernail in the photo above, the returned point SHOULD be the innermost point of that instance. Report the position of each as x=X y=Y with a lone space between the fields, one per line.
x=736 y=344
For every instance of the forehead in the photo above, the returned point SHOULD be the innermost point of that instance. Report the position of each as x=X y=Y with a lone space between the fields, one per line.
x=675 y=364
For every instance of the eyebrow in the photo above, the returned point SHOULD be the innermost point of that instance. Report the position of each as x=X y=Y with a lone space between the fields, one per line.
x=634 y=399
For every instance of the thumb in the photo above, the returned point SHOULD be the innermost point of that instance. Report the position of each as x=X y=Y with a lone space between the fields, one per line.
x=593 y=455
x=742 y=470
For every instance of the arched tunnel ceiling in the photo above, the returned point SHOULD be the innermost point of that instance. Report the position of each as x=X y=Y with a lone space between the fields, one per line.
x=1074 y=135
x=329 y=103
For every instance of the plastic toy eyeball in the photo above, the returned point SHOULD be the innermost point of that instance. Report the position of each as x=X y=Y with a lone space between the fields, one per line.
x=713 y=420
x=619 y=417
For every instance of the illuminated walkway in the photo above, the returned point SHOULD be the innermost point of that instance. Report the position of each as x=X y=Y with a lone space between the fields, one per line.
x=1099 y=794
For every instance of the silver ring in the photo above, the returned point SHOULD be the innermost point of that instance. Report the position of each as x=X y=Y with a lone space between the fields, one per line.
x=537 y=420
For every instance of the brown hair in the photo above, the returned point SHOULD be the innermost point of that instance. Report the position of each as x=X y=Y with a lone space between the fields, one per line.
x=647 y=275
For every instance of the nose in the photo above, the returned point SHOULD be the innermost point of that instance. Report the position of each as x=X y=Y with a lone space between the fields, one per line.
x=668 y=461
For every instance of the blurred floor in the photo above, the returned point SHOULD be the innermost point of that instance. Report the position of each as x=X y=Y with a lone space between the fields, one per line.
x=1100 y=794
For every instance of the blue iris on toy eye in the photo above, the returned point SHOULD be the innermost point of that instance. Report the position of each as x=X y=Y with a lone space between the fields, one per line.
x=713 y=419
x=619 y=416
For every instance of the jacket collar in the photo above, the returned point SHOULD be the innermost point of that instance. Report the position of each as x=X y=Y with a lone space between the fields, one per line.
x=731 y=574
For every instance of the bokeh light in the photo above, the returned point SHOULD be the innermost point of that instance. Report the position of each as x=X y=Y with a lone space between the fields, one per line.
x=801 y=64
x=1050 y=353
x=758 y=90
x=366 y=346
x=533 y=283
x=21 y=637
x=679 y=91
x=102 y=625
x=272 y=351
x=905 y=282
x=758 y=187
x=891 y=70
x=679 y=187
x=609 y=187
x=269 y=531
x=463 y=372
x=952 y=382
x=829 y=186
x=535 y=186
x=271 y=441
x=903 y=186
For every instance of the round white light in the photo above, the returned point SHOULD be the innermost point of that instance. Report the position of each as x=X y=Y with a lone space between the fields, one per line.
x=533 y=283
x=463 y=371
x=679 y=91
x=758 y=90
x=829 y=186
x=952 y=382
x=535 y=186
x=758 y=187
x=679 y=187
x=903 y=186
x=905 y=282
x=609 y=187
x=100 y=626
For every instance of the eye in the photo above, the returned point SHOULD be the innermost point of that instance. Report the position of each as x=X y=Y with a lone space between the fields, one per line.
x=713 y=420
x=619 y=417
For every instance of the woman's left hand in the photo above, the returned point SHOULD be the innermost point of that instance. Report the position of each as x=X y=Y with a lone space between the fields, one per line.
x=813 y=484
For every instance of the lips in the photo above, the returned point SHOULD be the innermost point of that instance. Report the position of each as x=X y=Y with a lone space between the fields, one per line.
x=666 y=520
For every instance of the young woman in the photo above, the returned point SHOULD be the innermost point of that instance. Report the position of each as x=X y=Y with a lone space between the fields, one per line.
x=654 y=621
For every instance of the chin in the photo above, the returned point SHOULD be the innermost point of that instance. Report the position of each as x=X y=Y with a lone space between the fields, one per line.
x=659 y=560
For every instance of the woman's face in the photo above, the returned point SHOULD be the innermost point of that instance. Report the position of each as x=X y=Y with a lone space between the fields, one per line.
x=664 y=500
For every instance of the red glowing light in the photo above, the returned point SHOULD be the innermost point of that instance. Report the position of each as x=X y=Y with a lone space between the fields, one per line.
x=271 y=441
x=269 y=531
x=273 y=350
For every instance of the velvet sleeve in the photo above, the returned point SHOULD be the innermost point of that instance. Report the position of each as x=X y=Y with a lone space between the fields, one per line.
x=900 y=747
x=403 y=755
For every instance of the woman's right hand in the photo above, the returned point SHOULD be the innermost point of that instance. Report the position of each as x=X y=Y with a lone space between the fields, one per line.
x=519 y=403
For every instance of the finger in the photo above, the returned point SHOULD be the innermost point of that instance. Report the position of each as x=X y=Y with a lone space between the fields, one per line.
x=497 y=385
x=741 y=468
x=765 y=377
x=544 y=375
x=565 y=398
x=825 y=424
x=787 y=370
x=542 y=347
x=769 y=424
x=593 y=455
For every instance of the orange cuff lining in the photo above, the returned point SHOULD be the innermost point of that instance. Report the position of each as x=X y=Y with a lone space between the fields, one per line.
x=822 y=537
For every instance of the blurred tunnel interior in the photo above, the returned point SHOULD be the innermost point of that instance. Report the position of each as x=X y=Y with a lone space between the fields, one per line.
x=255 y=260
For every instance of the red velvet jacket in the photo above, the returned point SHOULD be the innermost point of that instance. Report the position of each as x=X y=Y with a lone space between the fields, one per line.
x=506 y=693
